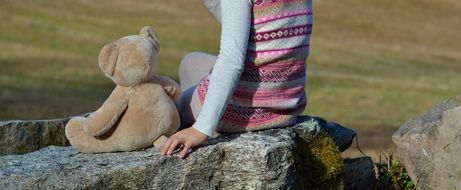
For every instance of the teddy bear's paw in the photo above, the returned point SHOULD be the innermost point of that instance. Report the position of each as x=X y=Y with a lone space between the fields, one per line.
x=76 y=135
x=74 y=127
x=86 y=129
x=172 y=92
x=169 y=90
x=89 y=129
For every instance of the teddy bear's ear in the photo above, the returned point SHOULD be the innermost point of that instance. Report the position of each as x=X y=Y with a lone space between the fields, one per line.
x=149 y=32
x=108 y=59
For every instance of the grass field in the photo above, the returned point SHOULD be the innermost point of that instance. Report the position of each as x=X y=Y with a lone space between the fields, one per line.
x=373 y=63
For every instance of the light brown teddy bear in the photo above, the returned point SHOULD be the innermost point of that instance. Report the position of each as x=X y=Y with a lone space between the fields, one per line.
x=140 y=110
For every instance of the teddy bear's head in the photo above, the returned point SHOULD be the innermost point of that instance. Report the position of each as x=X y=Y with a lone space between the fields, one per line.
x=131 y=60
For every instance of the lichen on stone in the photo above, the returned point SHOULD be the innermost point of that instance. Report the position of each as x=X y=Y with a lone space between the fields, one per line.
x=320 y=163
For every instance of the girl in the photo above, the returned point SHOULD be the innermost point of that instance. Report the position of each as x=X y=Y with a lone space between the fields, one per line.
x=257 y=80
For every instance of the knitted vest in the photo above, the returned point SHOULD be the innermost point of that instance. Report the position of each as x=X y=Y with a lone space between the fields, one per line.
x=271 y=91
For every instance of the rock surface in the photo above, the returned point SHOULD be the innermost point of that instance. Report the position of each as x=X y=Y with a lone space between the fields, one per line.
x=359 y=174
x=19 y=137
x=341 y=136
x=430 y=147
x=259 y=160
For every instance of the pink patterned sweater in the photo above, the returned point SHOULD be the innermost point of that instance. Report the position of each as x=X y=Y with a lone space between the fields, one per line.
x=270 y=92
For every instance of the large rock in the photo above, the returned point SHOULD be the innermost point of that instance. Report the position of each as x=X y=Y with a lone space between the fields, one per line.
x=430 y=147
x=270 y=159
x=19 y=137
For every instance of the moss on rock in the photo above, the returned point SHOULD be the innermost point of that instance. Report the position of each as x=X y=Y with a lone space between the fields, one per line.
x=320 y=163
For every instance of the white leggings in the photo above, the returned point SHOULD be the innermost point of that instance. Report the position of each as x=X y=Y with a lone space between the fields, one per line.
x=193 y=67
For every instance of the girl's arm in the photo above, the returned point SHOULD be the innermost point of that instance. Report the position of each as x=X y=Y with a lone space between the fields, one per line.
x=235 y=23
x=235 y=29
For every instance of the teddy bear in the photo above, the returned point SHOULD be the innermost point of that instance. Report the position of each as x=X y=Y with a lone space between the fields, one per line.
x=140 y=111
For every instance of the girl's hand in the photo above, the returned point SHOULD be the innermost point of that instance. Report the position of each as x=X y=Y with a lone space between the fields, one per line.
x=188 y=137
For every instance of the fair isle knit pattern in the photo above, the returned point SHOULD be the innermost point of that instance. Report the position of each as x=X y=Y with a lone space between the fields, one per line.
x=271 y=91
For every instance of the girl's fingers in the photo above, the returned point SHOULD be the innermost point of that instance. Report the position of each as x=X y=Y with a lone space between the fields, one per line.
x=185 y=150
x=172 y=147
x=165 y=146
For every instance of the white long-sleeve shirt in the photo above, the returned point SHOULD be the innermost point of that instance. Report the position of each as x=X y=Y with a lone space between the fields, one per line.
x=235 y=18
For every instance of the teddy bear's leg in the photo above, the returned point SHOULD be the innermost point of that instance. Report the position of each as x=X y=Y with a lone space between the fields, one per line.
x=82 y=141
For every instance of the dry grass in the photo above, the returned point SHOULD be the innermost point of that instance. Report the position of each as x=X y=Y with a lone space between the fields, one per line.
x=377 y=63
x=49 y=49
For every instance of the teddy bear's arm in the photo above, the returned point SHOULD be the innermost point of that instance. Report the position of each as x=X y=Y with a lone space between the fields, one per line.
x=100 y=121
x=171 y=87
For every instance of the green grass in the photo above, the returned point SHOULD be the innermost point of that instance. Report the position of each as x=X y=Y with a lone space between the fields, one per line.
x=372 y=63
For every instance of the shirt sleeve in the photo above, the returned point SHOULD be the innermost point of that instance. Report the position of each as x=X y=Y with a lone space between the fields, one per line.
x=235 y=29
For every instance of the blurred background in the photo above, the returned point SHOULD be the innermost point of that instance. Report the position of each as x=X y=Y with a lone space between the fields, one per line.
x=374 y=63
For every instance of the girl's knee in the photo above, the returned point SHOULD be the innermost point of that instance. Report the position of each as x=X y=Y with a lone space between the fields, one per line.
x=187 y=61
x=193 y=67
x=196 y=57
x=190 y=58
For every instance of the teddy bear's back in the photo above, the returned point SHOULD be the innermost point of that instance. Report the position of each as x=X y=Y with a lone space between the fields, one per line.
x=150 y=114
